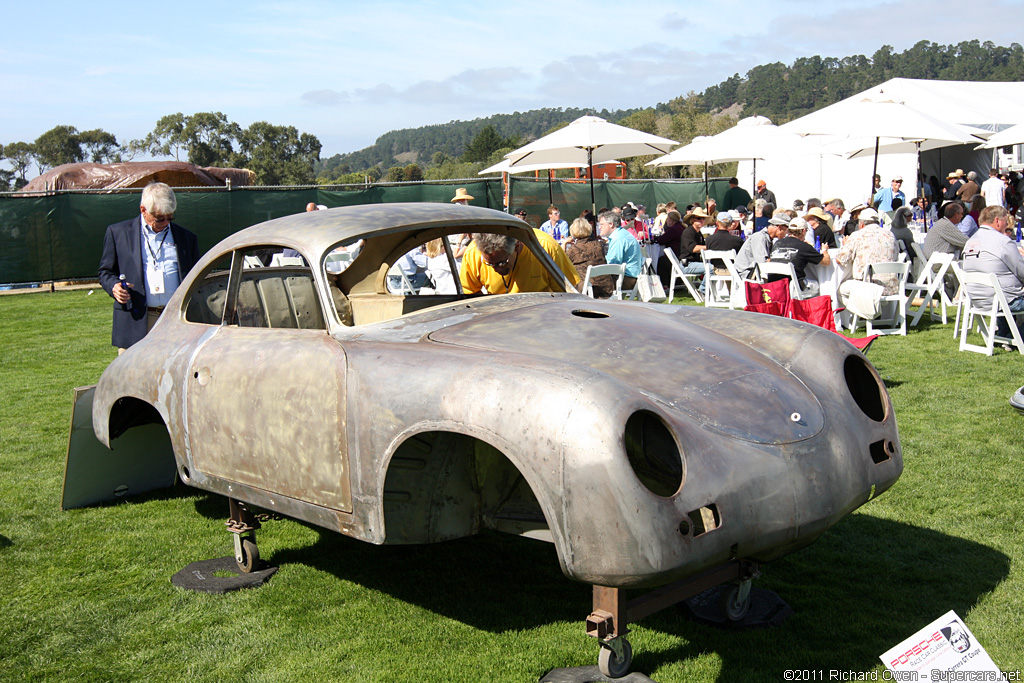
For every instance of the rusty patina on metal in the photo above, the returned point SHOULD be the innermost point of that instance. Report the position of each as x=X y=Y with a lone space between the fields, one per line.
x=647 y=442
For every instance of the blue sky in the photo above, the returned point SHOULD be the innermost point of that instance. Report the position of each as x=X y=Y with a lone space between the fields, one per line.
x=348 y=72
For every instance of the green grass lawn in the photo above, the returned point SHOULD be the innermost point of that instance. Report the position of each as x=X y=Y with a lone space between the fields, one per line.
x=86 y=594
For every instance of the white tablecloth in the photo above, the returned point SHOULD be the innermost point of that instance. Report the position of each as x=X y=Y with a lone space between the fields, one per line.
x=828 y=279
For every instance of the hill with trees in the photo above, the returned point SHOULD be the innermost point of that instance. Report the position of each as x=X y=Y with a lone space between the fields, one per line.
x=779 y=91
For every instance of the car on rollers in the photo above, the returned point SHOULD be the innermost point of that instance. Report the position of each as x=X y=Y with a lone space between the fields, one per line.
x=654 y=445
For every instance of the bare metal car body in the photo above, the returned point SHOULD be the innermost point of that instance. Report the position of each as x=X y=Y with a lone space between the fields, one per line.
x=647 y=442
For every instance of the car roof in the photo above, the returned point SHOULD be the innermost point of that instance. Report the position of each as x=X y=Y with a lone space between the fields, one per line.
x=315 y=232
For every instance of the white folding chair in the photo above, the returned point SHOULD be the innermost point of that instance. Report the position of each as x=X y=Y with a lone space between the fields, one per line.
x=337 y=261
x=929 y=285
x=983 y=310
x=720 y=291
x=919 y=260
x=405 y=286
x=616 y=269
x=252 y=262
x=765 y=271
x=279 y=260
x=677 y=272
x=893 y=318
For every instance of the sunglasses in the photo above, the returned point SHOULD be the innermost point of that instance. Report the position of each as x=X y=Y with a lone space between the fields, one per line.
x=160 y=218
x=499 y=264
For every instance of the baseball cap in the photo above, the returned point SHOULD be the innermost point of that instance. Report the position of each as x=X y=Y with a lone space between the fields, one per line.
x=869 y=215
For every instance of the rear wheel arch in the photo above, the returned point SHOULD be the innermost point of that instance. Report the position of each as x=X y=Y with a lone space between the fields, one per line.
x=441 y=484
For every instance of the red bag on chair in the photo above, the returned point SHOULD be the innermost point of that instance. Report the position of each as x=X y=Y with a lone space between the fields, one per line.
x=773 y=294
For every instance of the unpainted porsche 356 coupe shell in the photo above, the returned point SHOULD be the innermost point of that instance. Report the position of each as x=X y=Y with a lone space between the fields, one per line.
x=648 y=442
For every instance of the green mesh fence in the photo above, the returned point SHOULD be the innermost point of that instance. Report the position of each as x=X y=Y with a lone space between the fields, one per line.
x=60 y=236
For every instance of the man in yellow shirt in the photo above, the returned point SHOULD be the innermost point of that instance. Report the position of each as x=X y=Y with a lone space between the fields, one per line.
x=501 y=264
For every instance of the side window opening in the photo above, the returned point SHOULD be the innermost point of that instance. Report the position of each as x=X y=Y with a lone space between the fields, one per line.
x=277 y=290
x=205 y=303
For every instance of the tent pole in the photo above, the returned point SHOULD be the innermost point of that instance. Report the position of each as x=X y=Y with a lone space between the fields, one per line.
x=874 y=172
x=590 y=165
x=551 y=196
x=920 y=182
x=706 y=195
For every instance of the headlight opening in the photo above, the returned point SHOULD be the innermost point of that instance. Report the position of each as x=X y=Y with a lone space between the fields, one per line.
x=653 y=453
x=865 y=387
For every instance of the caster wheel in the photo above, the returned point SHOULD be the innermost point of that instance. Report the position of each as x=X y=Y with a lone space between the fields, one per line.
x=249 y=560
x=733 y=607
x=611 y=665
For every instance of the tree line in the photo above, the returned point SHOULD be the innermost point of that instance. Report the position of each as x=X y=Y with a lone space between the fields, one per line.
x=278 y=155
x=780 y=92
x=783 y=93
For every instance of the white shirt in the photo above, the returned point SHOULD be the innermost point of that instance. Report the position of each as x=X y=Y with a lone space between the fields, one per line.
x=440 y=272
x=992 y=190
x=159 y=263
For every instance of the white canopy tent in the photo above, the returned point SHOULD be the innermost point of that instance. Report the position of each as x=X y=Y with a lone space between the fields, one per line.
x=989 y=106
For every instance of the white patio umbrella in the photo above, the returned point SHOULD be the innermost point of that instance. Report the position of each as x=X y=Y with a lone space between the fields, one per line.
x=586 y=140
x=754 y=137
x=1011 y=136
x=506 y=167
x=862 y=123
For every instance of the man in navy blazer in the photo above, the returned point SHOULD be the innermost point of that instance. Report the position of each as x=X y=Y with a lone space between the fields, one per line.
x=143 y=263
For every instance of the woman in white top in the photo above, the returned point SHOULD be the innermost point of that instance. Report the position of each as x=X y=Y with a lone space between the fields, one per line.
x=439 y=271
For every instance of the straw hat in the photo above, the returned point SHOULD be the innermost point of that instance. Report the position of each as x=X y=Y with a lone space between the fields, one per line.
x=821 y=215
x=696 y=213
x=461 y=194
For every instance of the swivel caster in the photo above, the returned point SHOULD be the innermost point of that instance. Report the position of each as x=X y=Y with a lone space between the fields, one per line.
x=247 y=555
x=735 y=600
x=615 y=658
x=243 y=524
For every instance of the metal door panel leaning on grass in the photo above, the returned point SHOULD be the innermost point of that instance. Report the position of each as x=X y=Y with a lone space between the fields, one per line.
x=649 y=443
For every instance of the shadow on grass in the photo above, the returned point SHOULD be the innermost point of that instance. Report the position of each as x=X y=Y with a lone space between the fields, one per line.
x=491 y=581
x=863 y=587
x=866 y=585
x=5 y=542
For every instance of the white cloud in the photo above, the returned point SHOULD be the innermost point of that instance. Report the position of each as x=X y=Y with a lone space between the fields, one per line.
x=350 y=71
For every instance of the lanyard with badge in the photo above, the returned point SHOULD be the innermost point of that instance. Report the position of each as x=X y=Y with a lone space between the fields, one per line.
x=154 y=274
